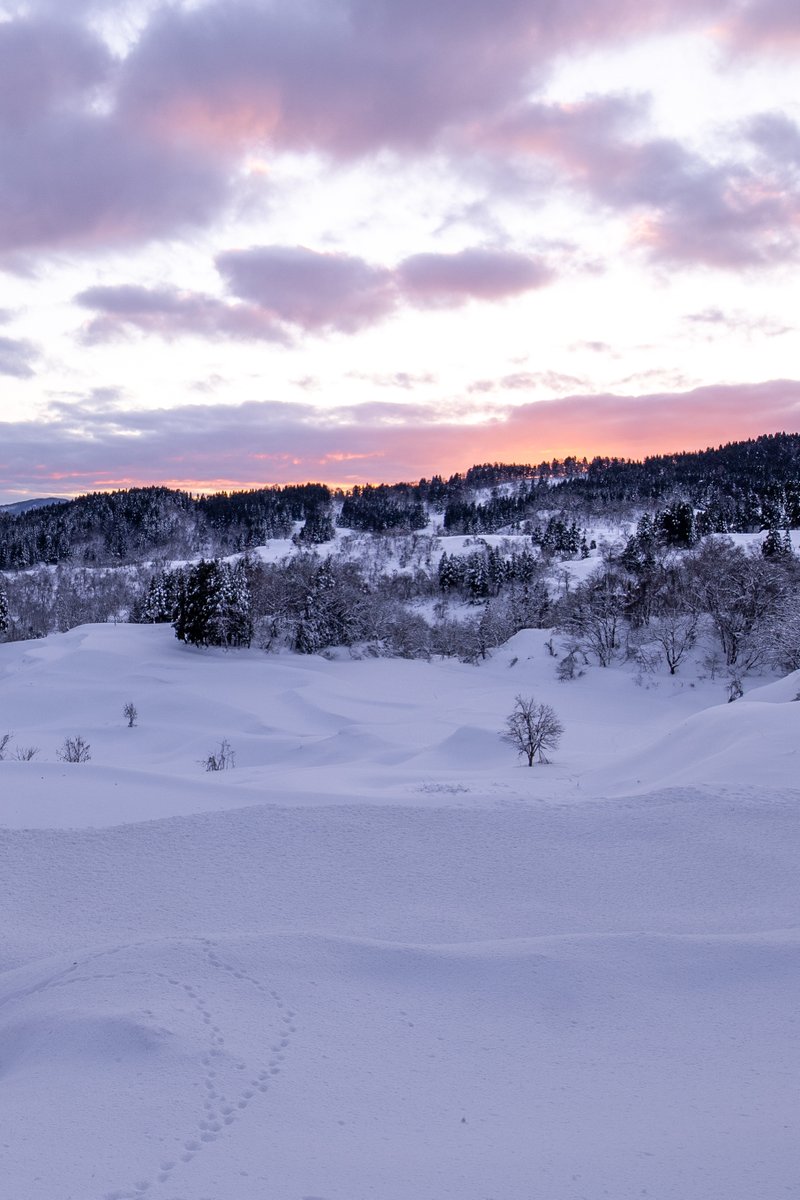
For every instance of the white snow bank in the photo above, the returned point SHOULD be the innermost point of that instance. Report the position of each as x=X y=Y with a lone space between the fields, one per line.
x=755 y=737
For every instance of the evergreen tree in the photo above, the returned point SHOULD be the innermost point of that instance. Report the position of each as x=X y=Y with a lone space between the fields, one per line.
x=449 y=576
x=4 y=617
x=318 y=528
x=163 y=596
x=232 y=622
x=676 y=525
x=776 y=545
x=214 y=608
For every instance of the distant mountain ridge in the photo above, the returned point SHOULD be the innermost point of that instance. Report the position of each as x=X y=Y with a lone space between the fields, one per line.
x=23 y=506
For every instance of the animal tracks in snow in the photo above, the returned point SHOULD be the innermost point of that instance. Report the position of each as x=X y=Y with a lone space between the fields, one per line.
x=192 y=1000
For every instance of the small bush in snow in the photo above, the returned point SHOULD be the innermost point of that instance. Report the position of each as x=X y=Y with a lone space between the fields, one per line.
x=5 y=738
x=223 y=760
x=25 y=753
x=75 y=750
x=131 y=714
x=568 y=666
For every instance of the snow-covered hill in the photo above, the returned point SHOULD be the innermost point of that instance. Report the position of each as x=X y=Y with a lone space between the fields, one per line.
x=380 y=959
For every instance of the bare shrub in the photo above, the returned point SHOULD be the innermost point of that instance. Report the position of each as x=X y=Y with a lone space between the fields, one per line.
x=131 y=714
x=25 y=753
x=75 y=750
x=5 y=738
x=223 y=760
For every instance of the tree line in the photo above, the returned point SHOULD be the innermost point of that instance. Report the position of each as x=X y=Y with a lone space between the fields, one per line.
x=740 y=487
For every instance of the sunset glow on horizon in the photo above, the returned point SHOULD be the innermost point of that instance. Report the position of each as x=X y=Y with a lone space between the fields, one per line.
x=245 y=243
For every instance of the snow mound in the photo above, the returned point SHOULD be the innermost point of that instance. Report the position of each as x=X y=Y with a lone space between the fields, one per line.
x=779 y=691
x=468 y=747
x=730 y=744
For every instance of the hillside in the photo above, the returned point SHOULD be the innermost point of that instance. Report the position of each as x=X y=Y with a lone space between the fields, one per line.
x=739 y=487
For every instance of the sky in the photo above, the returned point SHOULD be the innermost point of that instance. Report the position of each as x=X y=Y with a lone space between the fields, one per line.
x=362 y=240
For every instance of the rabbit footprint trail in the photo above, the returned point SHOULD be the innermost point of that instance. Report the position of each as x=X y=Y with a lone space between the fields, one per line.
x=227 y=1032
x=233 y=1009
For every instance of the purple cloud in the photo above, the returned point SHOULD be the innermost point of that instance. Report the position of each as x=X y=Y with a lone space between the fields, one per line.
x=281 y=289
x=348 y=77
x=169 y=313
x=17 y=357
x=684 y=208
x=776 y=136
x=75 y=171
x=313 y=291
x=528 y=381
x=77 y=179
x=447 y=280
x=718 y=320
x=342 y=76
x=765 y=24
x=47 y=63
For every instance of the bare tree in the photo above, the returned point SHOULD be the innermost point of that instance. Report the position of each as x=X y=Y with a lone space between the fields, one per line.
x=5 y=738
x=532 y=729
x=595 y=613
x=131 y=713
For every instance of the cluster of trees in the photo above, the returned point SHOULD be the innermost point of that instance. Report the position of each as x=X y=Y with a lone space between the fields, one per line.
x=145 y=523
x=384 y=508
x=743 y=486
x=486 y=571
x=661 y=603
x=310 y=604
x=53 y=600
x=385 y=588
x=646 y=600
x=208 y=604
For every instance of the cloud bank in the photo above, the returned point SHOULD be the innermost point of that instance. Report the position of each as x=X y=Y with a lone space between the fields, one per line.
x=102 y=149
x=280 y=290
x=83 y=447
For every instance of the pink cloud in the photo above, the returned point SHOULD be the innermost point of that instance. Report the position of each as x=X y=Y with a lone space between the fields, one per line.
x=729 y=213
x=446 y=280
x=763 y=24
x=270 y=442
x=350 y=76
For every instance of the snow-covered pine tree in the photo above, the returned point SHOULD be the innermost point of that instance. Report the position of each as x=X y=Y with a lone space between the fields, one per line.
x=775 y=544
x=163 y=595
x=318 y=528
x=215 y=607
x=234 y=619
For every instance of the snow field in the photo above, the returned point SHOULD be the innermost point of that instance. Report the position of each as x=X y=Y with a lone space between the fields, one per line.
x=379 y=960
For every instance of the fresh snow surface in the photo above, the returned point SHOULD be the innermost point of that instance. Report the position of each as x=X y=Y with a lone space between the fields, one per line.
x=380 y=960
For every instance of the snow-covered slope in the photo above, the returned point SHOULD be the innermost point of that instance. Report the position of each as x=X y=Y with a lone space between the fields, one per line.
x=379 y=959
